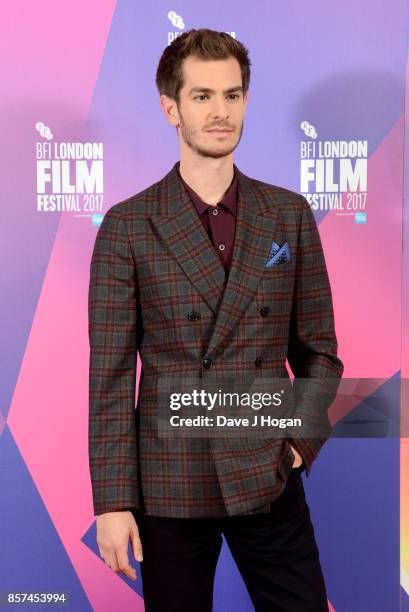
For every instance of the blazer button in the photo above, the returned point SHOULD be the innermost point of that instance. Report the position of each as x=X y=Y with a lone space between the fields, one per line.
x=264 y=311
x=258 y=361
x=207 y=362
x=193 y=315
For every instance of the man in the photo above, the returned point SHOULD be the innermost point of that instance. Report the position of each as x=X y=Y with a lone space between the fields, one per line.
x=206 y=273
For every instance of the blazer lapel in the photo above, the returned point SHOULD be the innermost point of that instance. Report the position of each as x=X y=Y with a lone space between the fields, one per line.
x=180 y=227
x=252 y=242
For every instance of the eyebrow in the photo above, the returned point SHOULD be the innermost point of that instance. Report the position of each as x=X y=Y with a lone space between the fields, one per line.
x=208 y=90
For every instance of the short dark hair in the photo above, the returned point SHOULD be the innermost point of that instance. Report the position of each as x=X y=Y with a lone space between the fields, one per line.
x=205 y=44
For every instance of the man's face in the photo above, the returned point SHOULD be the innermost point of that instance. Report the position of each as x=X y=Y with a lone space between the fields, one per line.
x=211 y=99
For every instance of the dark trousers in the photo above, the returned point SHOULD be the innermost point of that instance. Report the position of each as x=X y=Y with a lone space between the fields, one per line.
x=276 y=554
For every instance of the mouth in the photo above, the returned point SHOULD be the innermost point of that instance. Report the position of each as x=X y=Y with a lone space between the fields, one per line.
x=219 y=132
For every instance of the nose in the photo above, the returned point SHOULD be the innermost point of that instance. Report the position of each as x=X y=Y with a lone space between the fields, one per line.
x=220 y=109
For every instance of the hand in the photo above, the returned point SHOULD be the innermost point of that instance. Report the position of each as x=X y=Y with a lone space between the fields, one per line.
x=114 y=529
x=298 y=459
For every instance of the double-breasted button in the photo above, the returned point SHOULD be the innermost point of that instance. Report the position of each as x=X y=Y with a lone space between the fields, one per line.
x=264 y=310
x=207 y=362
x=193 y=315
x=258 y=361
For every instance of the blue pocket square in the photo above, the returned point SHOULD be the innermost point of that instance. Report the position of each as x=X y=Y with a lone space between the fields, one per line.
x=278 y=254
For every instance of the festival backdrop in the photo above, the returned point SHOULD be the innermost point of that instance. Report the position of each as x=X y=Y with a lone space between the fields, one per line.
x=82 y=129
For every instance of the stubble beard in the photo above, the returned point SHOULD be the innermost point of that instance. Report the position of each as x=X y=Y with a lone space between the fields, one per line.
x=215 y=152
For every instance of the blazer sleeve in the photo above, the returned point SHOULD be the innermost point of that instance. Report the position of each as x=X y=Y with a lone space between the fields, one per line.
x=312 y=347
x=112 y=330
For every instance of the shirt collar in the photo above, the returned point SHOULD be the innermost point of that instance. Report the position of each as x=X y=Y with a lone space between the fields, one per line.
x=229 y=199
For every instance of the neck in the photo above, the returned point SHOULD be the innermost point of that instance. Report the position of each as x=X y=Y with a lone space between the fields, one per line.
x=209 y=178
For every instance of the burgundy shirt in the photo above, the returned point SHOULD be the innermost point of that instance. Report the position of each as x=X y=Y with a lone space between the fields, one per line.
x=219 y=221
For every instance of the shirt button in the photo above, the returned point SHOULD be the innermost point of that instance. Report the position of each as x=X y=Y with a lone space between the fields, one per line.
x=215 y=211
x=207 y=362
x=221 y=247
x=264 y=310
x=258 y=361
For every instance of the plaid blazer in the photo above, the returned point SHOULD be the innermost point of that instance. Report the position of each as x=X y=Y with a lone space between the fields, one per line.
x=152 y=266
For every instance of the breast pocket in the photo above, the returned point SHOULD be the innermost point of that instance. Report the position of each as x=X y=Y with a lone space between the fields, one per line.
x=277 y=284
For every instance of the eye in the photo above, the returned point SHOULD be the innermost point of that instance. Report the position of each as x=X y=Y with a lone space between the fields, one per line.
x=235 y=96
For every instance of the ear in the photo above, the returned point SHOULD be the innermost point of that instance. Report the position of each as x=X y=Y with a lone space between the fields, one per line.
x=169 y=110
